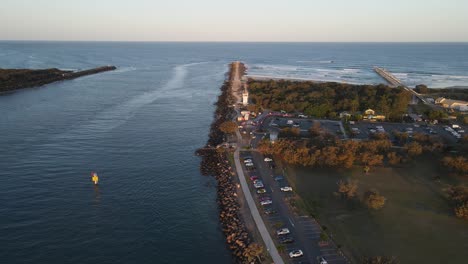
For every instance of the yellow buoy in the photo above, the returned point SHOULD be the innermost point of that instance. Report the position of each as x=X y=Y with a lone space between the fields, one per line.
x=95 y=178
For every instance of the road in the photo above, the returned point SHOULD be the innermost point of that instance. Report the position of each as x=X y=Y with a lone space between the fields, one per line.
x=304 y=229
x=267 y=240
x=270 y=245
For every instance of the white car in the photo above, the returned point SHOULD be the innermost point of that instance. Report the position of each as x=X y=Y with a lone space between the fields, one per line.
x=282 y=231
x=258 y=185
x=266 y=202
x=286 y=189
x=296 y=253
x=248 y=161
x=249 y=164
x=268 y=159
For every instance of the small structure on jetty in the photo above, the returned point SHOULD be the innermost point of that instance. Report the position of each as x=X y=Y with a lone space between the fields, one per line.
x=245 y=95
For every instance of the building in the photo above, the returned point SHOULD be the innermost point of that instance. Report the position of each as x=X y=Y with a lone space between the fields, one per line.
x=452 y=104
x=345 y=115
x=370 y=115
x=245 y=96
x=369 y=112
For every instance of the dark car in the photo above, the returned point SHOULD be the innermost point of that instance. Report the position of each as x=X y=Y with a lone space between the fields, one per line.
x=279 y=178
x=270 y=211
x=286 y=239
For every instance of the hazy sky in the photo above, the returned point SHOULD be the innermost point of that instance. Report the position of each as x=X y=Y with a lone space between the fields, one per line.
x=235 y=20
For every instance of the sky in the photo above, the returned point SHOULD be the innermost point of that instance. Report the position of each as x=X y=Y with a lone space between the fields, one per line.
x=236 y=20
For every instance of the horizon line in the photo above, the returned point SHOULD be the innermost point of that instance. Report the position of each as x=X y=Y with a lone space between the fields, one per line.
x=231 y=41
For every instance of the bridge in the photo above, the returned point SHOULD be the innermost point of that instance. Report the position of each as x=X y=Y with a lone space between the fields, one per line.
x=395 y=82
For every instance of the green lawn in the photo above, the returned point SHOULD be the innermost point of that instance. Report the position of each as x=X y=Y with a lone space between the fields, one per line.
x=416 y=224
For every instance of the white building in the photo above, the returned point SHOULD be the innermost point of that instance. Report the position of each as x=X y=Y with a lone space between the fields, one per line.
x=452 y=104
x=245 y=96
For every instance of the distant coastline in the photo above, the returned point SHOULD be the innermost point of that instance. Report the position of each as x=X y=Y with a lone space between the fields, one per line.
x=15 y=79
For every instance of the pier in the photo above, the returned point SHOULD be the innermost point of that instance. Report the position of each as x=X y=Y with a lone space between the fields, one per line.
x=392 y=80
x=395 y=82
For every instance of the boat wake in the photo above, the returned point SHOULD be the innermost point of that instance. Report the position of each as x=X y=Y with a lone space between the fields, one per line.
x=120 y=114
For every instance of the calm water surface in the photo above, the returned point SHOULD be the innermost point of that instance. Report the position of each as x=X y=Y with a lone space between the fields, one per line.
x=138 y=128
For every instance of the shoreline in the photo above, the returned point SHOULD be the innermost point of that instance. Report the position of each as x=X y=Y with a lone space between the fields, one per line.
x=293 y=79
x=216 y=164
x=16 y=79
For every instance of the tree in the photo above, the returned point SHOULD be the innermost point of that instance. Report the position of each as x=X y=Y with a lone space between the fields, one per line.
x=315 y=130
x=436 y=114
x=393 y=158
x=461 y=211
x=253 y=251
x=458 y=164
x=414 y=149
x=374 y=200
x=421 y=88
x=369 y=159
x=228 y=127
x=348 y=189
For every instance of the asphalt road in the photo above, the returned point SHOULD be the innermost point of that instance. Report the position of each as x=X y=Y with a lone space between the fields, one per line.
x=304 y=229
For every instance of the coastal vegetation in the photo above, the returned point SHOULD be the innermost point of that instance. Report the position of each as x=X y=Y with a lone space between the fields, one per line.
x=371 y=181
x=458 y=196
x=215 y=162
x=13 y=79
x=228 y=127
x=452 y=93
x=328 y=100
x=373 y=199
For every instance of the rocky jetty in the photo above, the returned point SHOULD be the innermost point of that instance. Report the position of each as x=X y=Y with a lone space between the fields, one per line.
x=14 y=79
x=214 y=162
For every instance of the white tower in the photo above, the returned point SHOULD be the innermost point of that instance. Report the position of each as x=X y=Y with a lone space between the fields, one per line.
x=245 y=96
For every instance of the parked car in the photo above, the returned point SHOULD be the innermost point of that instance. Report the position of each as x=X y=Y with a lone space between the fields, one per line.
x=282 y=231
x=268 y=159
x=261 y=190
x=279 y=178
x=286 y=189
x=258 y=185
x=248 y=160
x=266 y=202
x=249 y=164
x=270 y=211
x=253 y=178
x=296 y=253
x=286 y=239
x=322 y=260
x=264 y=198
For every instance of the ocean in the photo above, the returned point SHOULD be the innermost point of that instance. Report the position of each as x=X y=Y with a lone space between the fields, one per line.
x=138 y=128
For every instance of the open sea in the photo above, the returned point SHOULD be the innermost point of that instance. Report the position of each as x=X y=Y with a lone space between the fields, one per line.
x=138 y=128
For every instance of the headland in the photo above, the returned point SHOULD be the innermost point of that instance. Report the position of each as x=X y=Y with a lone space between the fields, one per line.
x=14 y=79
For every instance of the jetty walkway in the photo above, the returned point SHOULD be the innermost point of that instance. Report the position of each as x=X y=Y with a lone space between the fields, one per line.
x=270 y=245
x=395 y=82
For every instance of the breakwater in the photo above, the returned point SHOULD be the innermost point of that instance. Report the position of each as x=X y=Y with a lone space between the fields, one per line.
x=14 y=79
x=215 y=163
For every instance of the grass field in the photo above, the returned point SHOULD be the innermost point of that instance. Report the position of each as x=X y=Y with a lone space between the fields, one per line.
x=416 y=224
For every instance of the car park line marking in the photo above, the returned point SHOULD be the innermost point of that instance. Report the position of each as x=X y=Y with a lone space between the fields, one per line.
x=329 y=249
x=291 y=222
x=271 y=189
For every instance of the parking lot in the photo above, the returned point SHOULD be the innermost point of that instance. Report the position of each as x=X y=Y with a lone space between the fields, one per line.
x=304 y=232
x=364 y=130
x=333 y=127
